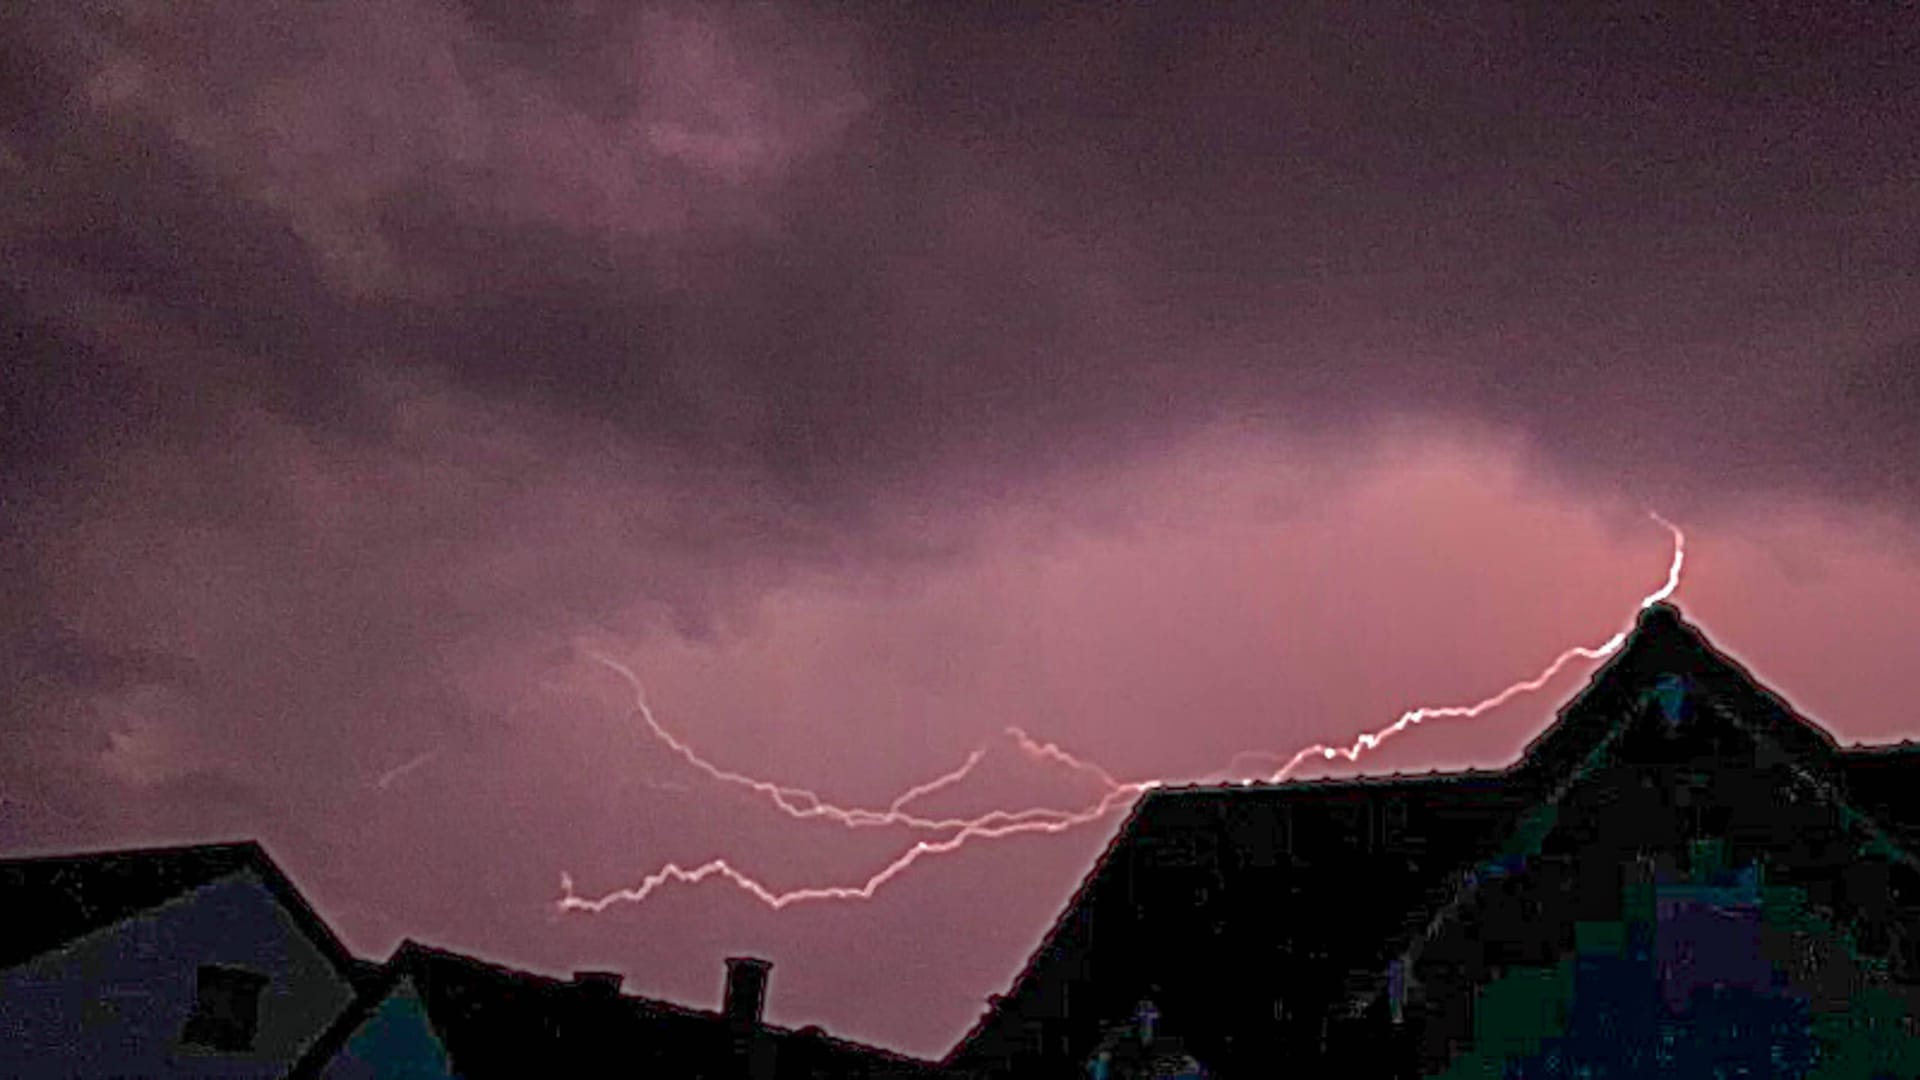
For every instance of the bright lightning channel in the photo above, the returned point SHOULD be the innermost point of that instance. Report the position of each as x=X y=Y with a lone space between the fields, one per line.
x=1002 y=823
x=1411 y=717
x=387 y=778
x=801 y=803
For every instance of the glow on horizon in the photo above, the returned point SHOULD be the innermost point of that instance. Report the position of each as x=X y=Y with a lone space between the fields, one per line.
x=997 y=824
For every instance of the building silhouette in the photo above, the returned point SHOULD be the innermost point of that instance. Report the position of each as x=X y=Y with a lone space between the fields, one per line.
x=204 y=961
x=195 y=961
x=1680 y=877
x=439 y=1013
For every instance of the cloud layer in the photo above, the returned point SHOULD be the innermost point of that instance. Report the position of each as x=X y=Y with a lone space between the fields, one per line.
x=876 y=376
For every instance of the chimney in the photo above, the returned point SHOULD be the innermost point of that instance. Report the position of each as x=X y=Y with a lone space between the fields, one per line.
x=598 y=982
x=746 y=990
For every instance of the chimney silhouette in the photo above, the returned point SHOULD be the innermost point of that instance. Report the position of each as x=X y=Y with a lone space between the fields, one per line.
x=746 y=990
x=598 y=982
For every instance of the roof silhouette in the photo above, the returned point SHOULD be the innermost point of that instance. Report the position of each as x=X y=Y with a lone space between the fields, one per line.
x=1343 y=898
x=56 y=899
x=496 y=1020
x=492 y=1019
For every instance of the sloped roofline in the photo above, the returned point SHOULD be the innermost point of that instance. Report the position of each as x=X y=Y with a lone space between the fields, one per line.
x=1053 y=934
x=355 y=970
x=1527 y=762
x=248 y=854
x=1852 y=818
x=1821 y=785
x=1170 y=792
x=1668 y=613
x=373 y=992
x=410 y=958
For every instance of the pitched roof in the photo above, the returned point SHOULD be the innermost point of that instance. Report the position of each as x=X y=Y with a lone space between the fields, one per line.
x=374 y=990
x=1667 y=645
x=1059 y=930
x=1661 y=642
x=493 y=1018
x=1473 y=797
x=1881 y=779
x=53 y=900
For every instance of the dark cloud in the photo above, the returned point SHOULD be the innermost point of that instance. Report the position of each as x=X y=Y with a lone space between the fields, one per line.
x=829 y=246
x=360 y=358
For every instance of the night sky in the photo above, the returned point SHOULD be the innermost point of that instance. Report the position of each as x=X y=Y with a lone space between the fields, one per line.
x=1166 y=380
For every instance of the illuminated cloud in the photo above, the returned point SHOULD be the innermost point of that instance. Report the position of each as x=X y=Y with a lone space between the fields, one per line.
x=875 y=380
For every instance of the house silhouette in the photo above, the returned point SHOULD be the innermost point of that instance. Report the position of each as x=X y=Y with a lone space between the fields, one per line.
x=1680 y=877
x=204 y=961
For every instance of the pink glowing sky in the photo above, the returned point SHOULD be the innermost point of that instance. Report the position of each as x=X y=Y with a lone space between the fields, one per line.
x=870 y=378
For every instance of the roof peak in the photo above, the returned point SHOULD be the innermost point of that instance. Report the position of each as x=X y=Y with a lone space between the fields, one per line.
x=1669 y=664
x=1659 y=608
x=1659 y=612
x=1662 y=634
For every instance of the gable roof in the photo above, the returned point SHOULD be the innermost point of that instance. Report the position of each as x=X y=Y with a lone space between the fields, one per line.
x=1219 y=811
x=1660 y=642
x=1053 y=936
x=380 y=984
x=1733 y=701
x=374 y=990
x=54 y=900
x=492 y=1017
x=1663 y=643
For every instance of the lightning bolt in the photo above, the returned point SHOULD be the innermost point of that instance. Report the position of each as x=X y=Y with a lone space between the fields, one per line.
x=1369 y=740
x=1001 y=823
x=398 y=771
x=801 y=803
x=776 y=901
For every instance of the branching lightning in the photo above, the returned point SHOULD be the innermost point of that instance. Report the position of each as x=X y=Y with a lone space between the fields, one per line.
x=971 y=831
x=801 y=803
x=810 y=805
x=387 y=778
x=1411 y=717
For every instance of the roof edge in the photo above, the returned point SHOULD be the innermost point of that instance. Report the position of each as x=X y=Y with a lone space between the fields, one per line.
x=1047 y=940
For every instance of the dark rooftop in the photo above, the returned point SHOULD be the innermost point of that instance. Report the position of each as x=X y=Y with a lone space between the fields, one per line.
x=497 y=1020
x=53 y=900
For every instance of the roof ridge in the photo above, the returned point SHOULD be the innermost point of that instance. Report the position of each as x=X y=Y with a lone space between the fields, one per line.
x=122 y=882
x=1660 y=637
x=154 y=851
x=1436 y=777
x=1467 y=884
x=334 y=1037
x=1471 y=883
x=1060 y=923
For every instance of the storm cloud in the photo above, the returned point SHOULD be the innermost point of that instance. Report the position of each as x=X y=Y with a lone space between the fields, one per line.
x=874 y=376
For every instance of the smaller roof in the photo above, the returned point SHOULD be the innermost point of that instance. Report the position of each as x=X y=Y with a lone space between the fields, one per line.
x=490 y=1016
x=54 y=900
